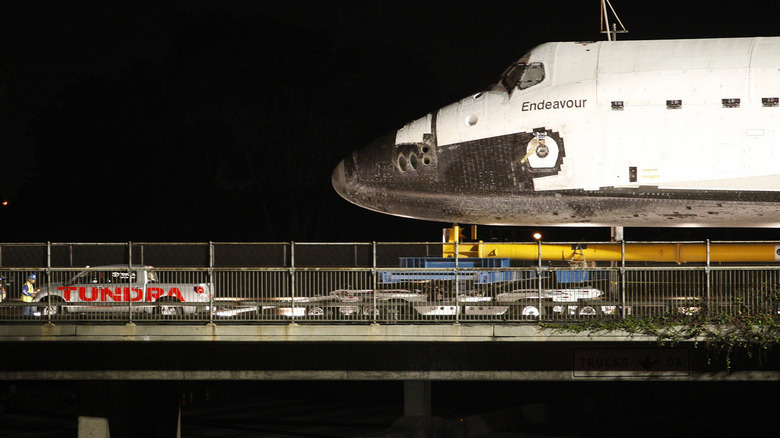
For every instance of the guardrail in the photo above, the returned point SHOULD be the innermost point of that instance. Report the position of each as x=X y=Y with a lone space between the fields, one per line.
x=360 y=283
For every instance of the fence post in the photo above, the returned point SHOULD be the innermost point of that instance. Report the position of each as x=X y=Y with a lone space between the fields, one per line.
x=457 y=281
x=48 y=278
x=539 y=279
x=211 y=282
x=292 y=282
x=708 y=274
x=623 y=278
x=373 y=279
x=130 y=281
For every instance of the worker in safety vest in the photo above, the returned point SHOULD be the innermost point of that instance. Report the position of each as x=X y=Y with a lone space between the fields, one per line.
x=28 y=293
x=3 y=294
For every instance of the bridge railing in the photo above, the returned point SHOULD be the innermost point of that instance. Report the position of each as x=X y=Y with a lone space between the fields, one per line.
x=386 y=283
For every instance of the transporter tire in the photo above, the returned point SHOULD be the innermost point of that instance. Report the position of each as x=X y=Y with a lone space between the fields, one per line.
x=397 y=310
x=524 y=310
x=530 y=310
x=315 y=311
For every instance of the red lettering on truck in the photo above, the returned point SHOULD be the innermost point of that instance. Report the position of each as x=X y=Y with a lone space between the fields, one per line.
x=117 y=294
x=66 y=291
x=139 y=294
x=94 y=293
x=175 y=292
x=106 y=293
x=152 y=293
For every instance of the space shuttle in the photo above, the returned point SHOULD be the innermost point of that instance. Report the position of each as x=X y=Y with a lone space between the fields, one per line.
x=663 y=133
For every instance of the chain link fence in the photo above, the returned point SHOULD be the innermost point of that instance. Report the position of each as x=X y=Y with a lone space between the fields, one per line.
x=386 y=283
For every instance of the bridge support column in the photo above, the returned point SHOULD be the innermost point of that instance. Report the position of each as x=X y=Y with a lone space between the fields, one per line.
x=417 y=398
x=93 y=427
x=129 y=409
x=417 y=421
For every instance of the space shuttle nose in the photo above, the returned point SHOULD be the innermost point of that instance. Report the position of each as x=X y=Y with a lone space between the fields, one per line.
x=362 y=177
x=339 y=179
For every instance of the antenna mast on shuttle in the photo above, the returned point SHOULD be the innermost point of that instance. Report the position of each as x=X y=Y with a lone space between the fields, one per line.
x=612 y=30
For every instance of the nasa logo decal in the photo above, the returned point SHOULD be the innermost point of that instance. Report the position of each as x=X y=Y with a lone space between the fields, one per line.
x=777 y=253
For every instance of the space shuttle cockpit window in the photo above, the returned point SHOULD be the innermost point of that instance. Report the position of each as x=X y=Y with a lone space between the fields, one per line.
x=534 y=73
x=522 y=75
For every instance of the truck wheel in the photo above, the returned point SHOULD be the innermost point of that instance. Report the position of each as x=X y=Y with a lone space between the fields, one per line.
x=54 y=309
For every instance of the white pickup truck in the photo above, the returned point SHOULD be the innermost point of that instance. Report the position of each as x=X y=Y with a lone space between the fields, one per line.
x=116 y=288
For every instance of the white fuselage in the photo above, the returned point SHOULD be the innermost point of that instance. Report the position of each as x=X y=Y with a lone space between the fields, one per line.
x=656 y=121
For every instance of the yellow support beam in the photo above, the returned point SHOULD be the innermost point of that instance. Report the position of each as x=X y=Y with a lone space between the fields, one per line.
x=635 y=252
x=612 y=252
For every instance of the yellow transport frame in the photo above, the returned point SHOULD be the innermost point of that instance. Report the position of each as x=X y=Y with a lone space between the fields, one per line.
x=604 y=252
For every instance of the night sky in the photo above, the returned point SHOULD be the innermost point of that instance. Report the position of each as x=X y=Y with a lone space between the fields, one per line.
x=222 y=121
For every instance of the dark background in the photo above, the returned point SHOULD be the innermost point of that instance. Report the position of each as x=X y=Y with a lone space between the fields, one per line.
x=198 y=121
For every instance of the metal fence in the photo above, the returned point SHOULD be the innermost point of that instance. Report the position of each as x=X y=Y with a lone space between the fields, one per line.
x=386 y=283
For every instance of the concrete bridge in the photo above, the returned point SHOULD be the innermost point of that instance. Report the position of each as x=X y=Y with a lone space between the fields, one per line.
x=351 y=352
x=111 y=363
x=361 y=318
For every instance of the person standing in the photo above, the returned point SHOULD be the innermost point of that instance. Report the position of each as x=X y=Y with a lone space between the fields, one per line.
x=28 y=293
